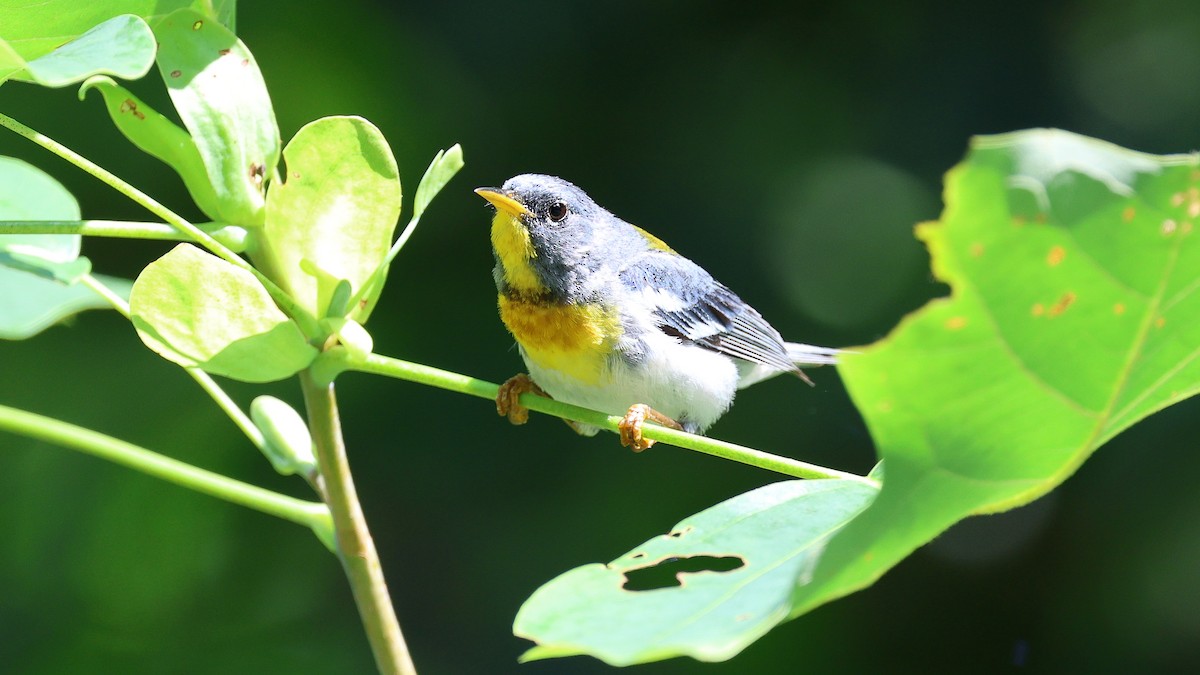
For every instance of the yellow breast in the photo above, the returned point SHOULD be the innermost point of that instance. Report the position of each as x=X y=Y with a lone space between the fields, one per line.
x=573 y=339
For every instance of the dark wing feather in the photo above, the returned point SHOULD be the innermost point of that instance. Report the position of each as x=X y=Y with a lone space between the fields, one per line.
x=709 y=314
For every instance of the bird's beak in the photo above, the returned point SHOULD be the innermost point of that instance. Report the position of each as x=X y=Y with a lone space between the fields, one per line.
x=503 y=202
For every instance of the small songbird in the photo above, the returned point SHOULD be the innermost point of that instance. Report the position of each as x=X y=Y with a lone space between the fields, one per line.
x=608 y=317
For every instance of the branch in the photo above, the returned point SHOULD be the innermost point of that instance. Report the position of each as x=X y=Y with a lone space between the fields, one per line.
x=310 y=514
x=334 y=361
x=354 y=544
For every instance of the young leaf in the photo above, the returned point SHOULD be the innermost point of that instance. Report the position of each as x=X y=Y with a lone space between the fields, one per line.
x=219 y=93
x=725 y=577
x=1074 y=313
x=198 y=310
x=443 y=167
x=335 y=212
x=159 y=137
x=122 y=46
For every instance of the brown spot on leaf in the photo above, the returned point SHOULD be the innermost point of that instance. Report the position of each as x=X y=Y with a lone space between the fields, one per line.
x=1119 y=308
x=1056 y=256
x=1061 y=306
x=1160 y=322
x=1038 y=309
x=176 y=73
x=224 y=52
x=956 y=322
x=198 y=25
x=256 y=175
x=1128 y=214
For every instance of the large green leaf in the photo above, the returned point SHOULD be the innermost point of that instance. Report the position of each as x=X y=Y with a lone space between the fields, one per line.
x=220 y=95
x=333 y=217
x=729 y=573
x=159 y=137
x=200 y=311
x=1074 y=267
x=1075 y=312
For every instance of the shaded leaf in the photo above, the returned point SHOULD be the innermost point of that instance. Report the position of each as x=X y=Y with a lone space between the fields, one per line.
x=200 y=311
x=30 y=304
x=756 y=545
x=1074 y=314
x=333 y=217
x=33 y=265
x=220 y=95
x=444 y=166
x=159 y=137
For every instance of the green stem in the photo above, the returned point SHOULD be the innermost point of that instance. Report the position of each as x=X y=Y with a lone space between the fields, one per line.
x=311 y=514
x=307 y=323
x=209 y=385
x=334 y=361
x=230 y=236
x=354 y=544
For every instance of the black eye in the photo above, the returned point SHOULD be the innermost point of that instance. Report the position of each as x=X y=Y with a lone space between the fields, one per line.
x=558 y=211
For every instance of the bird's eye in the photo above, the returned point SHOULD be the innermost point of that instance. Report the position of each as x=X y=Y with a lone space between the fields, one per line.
x=558 y=211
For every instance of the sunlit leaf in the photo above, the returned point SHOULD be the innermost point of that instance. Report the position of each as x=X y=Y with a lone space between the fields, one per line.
x=333 y=217
x=737 y=565
x=198 y=310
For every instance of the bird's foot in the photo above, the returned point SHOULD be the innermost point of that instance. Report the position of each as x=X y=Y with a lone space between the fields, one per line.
x=631 y=426
x=507 y=403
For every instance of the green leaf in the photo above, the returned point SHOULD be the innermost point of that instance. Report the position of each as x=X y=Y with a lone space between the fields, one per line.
x=34 y=29
x=157 y=136
x=30 y=304
x=122 y=46
x=33 y=265
x=1074 y=313
x=220 y=95
x=199 y=311
x=336 y=212
x=444 y=166
x=753 y=548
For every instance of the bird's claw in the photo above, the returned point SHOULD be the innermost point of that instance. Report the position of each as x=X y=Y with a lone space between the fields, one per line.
x=630 y=426
x=507 y=403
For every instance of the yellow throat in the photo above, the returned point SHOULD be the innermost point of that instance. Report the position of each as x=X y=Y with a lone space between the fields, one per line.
x=511 y=242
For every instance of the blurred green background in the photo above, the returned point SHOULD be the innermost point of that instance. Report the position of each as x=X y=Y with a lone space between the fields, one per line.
x=788 y=147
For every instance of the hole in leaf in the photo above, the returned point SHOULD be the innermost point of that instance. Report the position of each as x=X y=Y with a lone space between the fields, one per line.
x=667 y=573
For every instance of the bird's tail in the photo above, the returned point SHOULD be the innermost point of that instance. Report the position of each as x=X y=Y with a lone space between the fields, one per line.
x=810 y=355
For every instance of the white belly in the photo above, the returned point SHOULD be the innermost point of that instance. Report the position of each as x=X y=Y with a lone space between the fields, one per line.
x=684 y=382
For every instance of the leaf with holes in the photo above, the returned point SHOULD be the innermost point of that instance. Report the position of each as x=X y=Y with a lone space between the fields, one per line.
x=1075 y=312
x=720 y=580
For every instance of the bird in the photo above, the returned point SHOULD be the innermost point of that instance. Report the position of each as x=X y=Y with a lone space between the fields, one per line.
x=609 y=317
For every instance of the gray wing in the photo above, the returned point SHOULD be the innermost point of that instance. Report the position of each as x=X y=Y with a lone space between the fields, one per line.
x=707 y=313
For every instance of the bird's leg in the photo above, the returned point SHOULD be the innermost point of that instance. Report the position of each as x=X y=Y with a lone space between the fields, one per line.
x=507 y=404
x=631 y=426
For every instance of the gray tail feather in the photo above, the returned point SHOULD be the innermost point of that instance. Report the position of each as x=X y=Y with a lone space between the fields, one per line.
x=811 y=355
